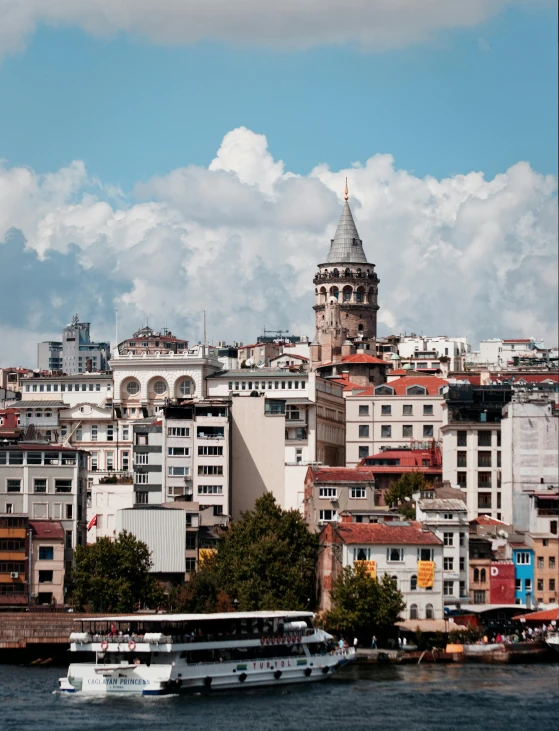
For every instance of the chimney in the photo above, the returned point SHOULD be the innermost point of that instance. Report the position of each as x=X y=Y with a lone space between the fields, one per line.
x=346 y=517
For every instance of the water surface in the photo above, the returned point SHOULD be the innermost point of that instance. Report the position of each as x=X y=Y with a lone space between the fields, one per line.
x=480 y=697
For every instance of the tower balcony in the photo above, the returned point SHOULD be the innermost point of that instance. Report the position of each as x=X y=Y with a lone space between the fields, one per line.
x=345 y=275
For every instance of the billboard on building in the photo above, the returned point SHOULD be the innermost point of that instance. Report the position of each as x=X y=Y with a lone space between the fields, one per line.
x=370 y=568
x=425 y=574
x=501 y=583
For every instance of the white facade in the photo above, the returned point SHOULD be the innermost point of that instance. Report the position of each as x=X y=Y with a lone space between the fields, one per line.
x=90 y=388
x=448 y=520
x=499 y=353
x=428 y=350
x=163 y=531
x=530 y=446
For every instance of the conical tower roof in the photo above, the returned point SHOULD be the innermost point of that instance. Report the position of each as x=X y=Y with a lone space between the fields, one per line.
x=346 y=246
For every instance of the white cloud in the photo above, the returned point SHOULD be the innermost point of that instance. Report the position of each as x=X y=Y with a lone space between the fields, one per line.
x=368 y=24
x=241 y=240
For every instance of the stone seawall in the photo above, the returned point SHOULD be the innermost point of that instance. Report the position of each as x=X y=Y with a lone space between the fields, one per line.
x=19 y=630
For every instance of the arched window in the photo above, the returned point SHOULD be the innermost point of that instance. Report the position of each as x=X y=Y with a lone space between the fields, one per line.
x=476 y=575
x=160 y=387
x=335 y=273
x=347 y=272
x=413 y=583
x=413 y=611
x=483 y=575
x=347 y=294
x=359 y=272
x=359 y=295
x=185 y=387
x=360 y=328
x=322 y=295
x=395 y=581
x=334 y=292
x=429 y=611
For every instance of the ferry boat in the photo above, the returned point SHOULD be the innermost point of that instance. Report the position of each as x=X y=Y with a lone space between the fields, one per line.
x=163 y=654
x=553 y=641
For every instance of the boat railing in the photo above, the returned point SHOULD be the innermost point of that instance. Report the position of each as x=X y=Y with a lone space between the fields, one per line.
x=84 y=638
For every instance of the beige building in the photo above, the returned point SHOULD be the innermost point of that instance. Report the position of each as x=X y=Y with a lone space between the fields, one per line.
x=47 y=562
x=406 y=411
x=330 y=491
x=281 y=422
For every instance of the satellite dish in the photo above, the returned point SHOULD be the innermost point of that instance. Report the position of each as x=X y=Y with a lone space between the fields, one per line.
x=249 y=362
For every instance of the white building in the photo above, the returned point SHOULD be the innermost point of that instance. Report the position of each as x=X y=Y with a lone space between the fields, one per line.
x=448 y=520
x=406 y=410
x=424 y=353
x=500 y=353
x=410 y=554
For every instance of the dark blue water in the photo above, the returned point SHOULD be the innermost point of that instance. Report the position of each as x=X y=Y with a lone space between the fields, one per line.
x=479 y=697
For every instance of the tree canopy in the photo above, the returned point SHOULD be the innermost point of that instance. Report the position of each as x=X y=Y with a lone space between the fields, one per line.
x=114 y=576
x=363 y=605
x=400 y=494
x=267 y=560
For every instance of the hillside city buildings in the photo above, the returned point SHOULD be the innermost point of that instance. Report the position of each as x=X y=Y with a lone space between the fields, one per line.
x=174 y=441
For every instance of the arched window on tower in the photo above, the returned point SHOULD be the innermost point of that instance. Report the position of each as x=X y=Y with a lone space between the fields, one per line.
x=334 y=292
x=347 y=272
x=360 y=328
x=347 y=294
x=335 y=273
x=359 y=295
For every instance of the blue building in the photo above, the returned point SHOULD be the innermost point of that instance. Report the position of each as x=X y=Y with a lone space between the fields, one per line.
x=523 y=559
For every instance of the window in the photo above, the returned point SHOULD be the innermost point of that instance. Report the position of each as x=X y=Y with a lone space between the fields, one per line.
x=13 y=485
x=483 y=575
x=78 y=436
x=461 y=479
x=358 y=492
x=394 y=554
x=407 y=431
x=448 y=539
x=40 y=485
x=133 y=388
x=125 y=433
x=484 y=479
x=363 y=431
x=528 y=584
x=141 y=458
x=523 y=557
x=160 y=387
x=363 y=452
x=63 y=485
x=69 y=511
x=429 y=614
x=210 y=489
x=34 y=457
x=484 y=500
x=329 y=492
x=427 y=410
x=178 y=431
x=425 y=554
x=447 y=516
x=448 y=564
x=110 y=433
x=141 y=498
x=181 y=471
x=553 y=527
x=109 y=459
x=15 y=458
x=141 y=478
x=189 y=565
x=552 y=585
x=484 y=459
x=552 y=562
x=461 y=459
x=361 y=554
x=541 y=562
x=448 y=588
x=385 y=431
x=46 y=553
x=479 y=597
x=45 y=577
x=326 y=516
x=94 y=432
x=191 y=541
x=179 y=451
x=274 y=407
x=428 y=430
x=462 y=438
x=125 y=461
x=185 y=387
x=407 y=410
x=518 y=584
x=540 y=584
x=386 y=410
x=484 y=438
x=363 y=410
x=210 y=469
x=218 y=509
x=462 y=539
x=94 y=461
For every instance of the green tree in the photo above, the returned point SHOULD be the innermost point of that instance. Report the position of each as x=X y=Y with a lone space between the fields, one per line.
x=113 y=576
x=362 y=605
x=202 y=594
x=400 y=494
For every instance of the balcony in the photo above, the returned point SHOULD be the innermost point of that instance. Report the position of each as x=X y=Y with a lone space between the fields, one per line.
x=117 y=478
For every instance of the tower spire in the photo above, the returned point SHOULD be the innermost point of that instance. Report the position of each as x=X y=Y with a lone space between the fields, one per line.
x=346 y=192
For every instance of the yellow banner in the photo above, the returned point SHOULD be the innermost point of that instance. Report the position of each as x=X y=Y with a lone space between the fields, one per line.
x=370 y=567
x=425 y=574
x=205 y=554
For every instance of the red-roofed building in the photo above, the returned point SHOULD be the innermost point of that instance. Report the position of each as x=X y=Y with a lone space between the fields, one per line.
x=360 y=368
x=405 y=412
x=47 y=562
x=259 y=354
x=9 y=424
x=410 y=554
x=331 y=490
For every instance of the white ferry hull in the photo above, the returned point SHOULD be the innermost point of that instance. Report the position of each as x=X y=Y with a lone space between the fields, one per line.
x=89 y=679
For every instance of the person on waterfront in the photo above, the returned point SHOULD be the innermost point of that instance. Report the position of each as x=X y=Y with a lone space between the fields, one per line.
x=374 y=643
x=404 y=642
x=341 y=643
x=355 y=643
x=113 y=629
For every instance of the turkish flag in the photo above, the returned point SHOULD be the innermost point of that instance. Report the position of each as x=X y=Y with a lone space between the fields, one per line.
x=92 y=522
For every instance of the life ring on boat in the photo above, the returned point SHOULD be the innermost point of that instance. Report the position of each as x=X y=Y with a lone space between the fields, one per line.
x=131 y=645
x=104 y=645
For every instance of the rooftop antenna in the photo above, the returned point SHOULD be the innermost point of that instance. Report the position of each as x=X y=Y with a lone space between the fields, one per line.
x=204 y=332
x=346 y=192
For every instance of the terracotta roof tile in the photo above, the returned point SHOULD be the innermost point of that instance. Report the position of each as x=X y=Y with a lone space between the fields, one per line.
x=44 y=529
x=386 y=534
x=341 y=474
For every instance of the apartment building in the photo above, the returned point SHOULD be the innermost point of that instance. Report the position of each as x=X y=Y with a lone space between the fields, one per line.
x=405 y=411
x=76 y=353
x=410 y=554
x=46 y=482
x=151 y=342
x=430 y=353
x=48 y=573
x=471 y=446
x=330 y=491
x=447 y=519
x=14 y=558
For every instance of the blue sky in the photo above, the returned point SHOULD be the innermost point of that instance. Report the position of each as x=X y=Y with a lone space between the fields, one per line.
x=146 y=100
x=480 y=98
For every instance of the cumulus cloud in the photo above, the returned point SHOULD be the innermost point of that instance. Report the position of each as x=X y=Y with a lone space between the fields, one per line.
x=368 y=24
x=241 y=240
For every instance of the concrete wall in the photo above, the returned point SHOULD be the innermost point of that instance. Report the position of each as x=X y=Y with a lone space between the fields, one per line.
x=164 y=532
